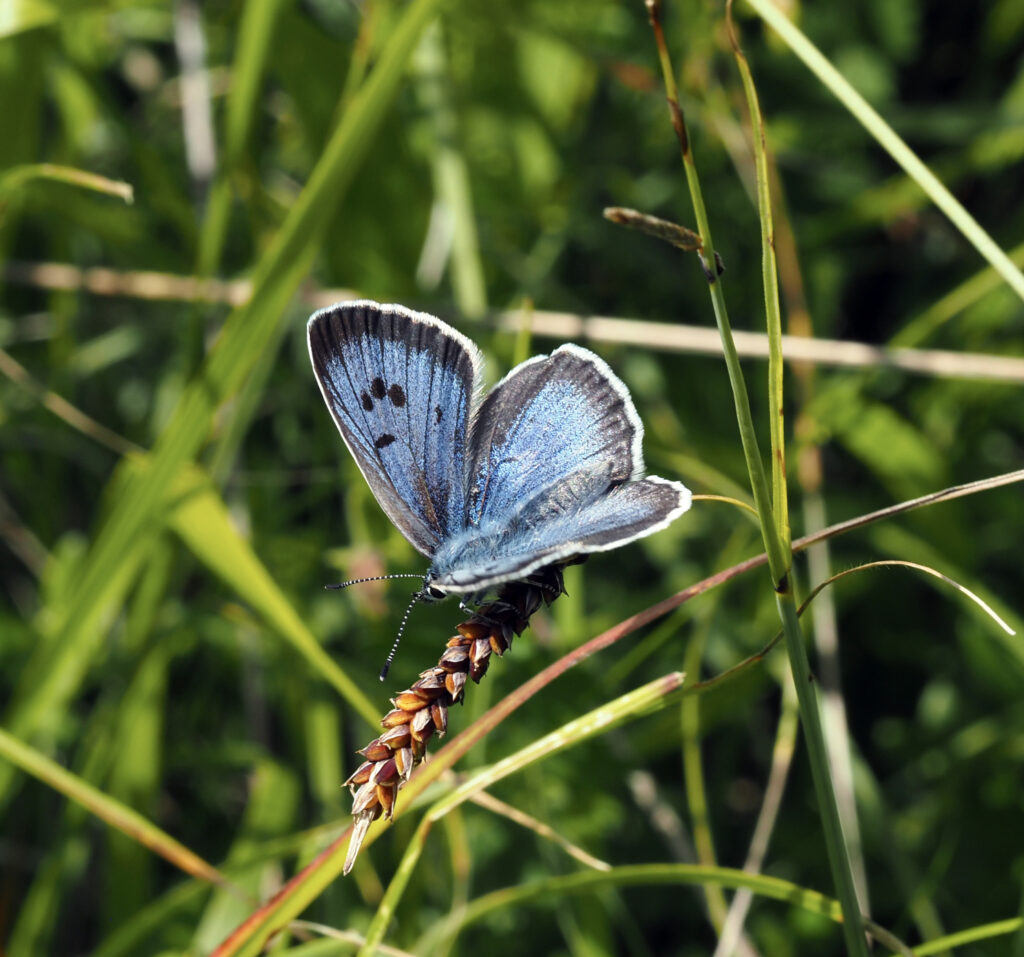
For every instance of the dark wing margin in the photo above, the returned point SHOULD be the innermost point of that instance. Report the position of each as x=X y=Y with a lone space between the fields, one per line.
x=628 y=512
x=400 y=386
x=551 y=419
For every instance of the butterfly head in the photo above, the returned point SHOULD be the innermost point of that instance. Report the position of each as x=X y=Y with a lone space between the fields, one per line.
x=430 y=592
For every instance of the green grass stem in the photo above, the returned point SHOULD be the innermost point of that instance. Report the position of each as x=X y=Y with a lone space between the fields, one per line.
x=770 y=283
x=779 y=557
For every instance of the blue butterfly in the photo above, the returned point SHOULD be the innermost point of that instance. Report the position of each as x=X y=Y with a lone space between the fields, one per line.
x=546 y=467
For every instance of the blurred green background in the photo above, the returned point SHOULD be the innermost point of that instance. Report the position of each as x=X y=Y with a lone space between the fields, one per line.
x=158 y=620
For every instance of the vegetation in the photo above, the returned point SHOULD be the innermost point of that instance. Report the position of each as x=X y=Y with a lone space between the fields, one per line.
x=180 y=184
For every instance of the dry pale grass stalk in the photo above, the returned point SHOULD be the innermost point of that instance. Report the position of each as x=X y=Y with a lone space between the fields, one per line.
x=658 y=336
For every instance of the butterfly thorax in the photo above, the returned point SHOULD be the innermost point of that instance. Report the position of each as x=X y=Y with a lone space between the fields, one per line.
x=477 y=553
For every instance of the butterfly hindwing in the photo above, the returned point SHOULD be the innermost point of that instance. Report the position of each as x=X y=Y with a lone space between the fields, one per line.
x=400 y=386
x=530 y=541
x=623 y=514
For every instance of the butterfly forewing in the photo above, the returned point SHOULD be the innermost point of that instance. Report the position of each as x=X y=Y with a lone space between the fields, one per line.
x=400 y=387
x=563 y=418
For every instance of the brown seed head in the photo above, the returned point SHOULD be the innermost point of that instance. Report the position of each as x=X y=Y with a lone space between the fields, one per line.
x=409 y=701
x=394 y=718
x=472 y=629
x=421 y=711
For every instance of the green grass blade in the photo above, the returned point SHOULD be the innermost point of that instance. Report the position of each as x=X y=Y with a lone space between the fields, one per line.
x=106 y=808
x=659 y=874
x=255 y=33
x=145 y=926
x=971 y=935
x=965 y=295
x=451 y=175
x=35 y=922
x=642 y=701
x=136 y=749
x=770 y=283
x=693 y=767
x=648 y=875
x=272 y=805
x=137 y=513
x=203 y=522
x=20 y=176
x=243 y=409
x=888 y=139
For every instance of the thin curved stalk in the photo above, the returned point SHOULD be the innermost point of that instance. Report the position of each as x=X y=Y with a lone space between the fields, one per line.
x=18 y=177
x=900 y=563
x=782 y=760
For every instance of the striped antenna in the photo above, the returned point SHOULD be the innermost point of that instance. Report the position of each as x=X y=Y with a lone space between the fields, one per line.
x=416 y=597
x=376 y=578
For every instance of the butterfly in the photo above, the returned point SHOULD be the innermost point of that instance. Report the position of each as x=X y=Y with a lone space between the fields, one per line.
x=546 y=467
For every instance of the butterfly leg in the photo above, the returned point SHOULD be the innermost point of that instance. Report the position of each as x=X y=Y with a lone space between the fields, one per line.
x=497 y=606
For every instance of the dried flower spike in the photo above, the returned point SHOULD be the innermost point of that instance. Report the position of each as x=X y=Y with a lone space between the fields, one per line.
x=421 y=711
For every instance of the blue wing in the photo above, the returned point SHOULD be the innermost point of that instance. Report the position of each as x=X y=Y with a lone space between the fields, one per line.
x=554 y=469
x=479 y=559
x=563 y=418
x=400 y=386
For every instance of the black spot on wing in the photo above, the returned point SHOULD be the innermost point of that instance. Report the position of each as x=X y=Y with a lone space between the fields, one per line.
x=437 y=412
x=378 y=389
x=383 y=441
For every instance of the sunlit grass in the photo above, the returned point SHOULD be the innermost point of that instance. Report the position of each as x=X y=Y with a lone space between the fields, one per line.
x=181 y=700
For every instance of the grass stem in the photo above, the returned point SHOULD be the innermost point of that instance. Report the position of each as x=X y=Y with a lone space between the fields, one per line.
x=779 y=557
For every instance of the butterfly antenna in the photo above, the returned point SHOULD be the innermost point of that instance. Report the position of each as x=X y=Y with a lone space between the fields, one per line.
x=376 y=578
x=416 y=597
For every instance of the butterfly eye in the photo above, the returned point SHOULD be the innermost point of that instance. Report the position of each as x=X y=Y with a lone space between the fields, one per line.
x=434 y=594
